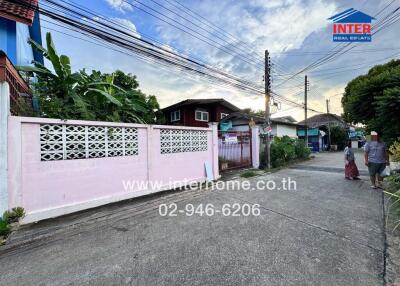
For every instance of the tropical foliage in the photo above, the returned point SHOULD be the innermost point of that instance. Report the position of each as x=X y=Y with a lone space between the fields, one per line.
x=89 y=96
x=285 y=149
x=374 y=100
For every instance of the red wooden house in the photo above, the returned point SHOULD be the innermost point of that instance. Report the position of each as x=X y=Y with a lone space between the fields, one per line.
x=198 y=112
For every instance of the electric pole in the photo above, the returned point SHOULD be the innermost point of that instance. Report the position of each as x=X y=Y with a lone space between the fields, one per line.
x=329 y=125
x=267 y=82
x=305 y=111
x=327 y=106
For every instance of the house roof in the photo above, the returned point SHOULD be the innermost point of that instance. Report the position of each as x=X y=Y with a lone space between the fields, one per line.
x=351 y=16
x=288 y=118
x=21 y=11
x=323 y=119
x=257 y=119
x=188 y=102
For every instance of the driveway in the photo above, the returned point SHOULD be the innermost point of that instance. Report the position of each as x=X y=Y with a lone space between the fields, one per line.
x=326 y=231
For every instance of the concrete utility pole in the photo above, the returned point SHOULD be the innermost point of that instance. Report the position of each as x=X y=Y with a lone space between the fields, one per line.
x=267 y=82
x=329 y=125
x=305 y=111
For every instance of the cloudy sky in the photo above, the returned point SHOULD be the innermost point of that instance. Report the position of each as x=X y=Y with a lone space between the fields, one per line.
x=233 y=35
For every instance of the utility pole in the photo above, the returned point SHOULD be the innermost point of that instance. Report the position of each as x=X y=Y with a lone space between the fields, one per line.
x=329 y=125
x=327 y=106
x=267 y=82
x=305 y=111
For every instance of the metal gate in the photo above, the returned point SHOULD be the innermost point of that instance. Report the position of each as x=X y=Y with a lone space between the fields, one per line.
x=234 y=149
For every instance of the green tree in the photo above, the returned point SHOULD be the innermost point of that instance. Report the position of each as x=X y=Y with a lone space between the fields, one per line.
x=95 y=96
x=374 y=100
x=251 y=112
x=339 y=136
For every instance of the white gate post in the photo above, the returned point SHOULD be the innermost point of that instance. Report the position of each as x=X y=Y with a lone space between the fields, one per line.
x=4 y=113
x=214 y=146
x=255 y=147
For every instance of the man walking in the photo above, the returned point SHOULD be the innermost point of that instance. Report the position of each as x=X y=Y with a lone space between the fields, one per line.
x=376 y=158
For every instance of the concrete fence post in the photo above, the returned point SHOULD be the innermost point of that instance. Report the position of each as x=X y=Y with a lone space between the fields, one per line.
x=4 y=113
x=214 y=146
x=149 y=141
x=255 y=147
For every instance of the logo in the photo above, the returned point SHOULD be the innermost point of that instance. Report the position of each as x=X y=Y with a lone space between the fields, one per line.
x=352 y=26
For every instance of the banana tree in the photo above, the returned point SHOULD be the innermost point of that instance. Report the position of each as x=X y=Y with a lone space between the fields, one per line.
x=67 y=95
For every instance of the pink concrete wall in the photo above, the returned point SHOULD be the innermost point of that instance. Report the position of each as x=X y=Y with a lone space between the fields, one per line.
x=51 y=188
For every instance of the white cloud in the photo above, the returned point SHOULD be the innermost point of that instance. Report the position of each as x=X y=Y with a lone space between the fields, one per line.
x=120 y=5
x=129 y=25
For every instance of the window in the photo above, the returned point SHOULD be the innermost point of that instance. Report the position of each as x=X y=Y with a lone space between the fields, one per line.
x=176 y=115
x=201 y=115
x=224 y=115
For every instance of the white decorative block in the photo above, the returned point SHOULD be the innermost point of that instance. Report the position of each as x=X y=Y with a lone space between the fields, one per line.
x=182 y=140
x=67 y=142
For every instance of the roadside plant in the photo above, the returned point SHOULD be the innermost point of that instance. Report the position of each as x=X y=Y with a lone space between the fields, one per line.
x=395 y=151
x=285 y=149
x=393 y=207
x=301 y=150
x=13 y=215
x=5 y=228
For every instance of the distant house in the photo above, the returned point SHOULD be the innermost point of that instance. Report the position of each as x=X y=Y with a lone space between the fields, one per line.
x=324 y=120
x=239 y=121
x=198 y=112
x=18 y=22
x=318 y=129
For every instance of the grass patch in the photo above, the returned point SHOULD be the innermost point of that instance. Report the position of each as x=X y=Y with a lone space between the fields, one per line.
x=249 y=174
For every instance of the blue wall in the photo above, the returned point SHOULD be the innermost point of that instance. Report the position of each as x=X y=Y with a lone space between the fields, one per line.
x=8 y=38
x=14 y=41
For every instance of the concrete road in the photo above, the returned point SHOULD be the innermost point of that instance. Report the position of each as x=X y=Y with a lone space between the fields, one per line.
x=326 y=231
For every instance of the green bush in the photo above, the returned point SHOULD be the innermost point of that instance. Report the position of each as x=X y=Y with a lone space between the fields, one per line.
x=13 y=215
x=286 y=149
x=4 y=228
x=395 y=151
x=302 y=152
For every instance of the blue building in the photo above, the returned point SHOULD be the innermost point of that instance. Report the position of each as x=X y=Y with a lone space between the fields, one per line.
x=17 y=24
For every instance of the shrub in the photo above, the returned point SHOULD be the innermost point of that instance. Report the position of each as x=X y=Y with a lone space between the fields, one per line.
x=4 y=228
x=393 y=191
x=286 y=149
x=395 y=151
x=393 y=183
x=301 y=150
x=14 y=214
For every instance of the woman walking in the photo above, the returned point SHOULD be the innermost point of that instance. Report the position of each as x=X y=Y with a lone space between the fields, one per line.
x=350 y=169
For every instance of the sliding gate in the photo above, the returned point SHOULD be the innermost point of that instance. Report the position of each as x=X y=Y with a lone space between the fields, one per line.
x=234 y=149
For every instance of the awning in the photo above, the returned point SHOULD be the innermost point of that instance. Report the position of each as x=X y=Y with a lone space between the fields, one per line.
x=310 y=132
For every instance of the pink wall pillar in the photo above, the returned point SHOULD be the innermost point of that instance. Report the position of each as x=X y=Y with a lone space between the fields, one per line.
x=4 y=114
x=214 y=144
x=255 y=147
